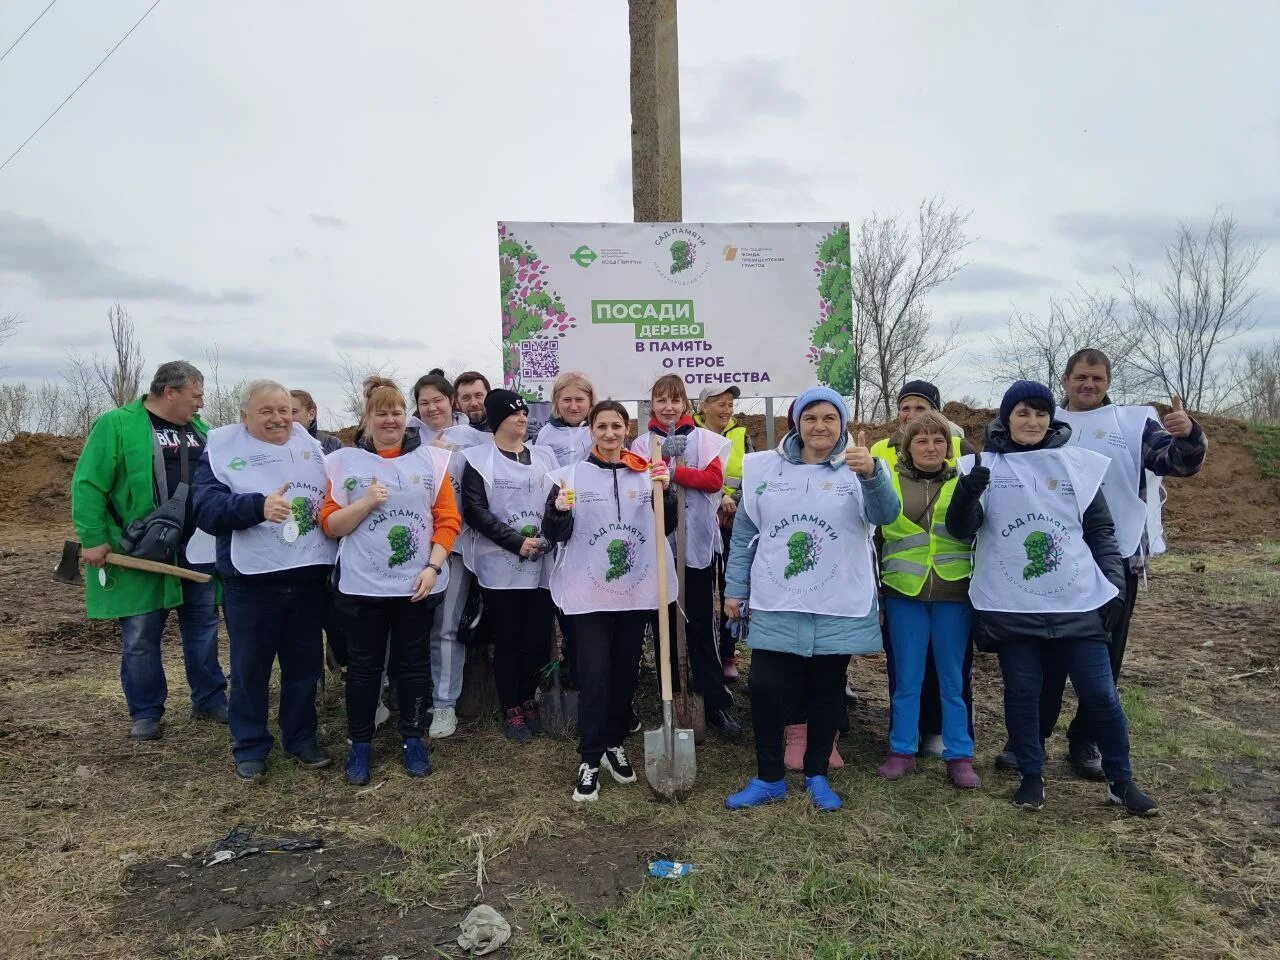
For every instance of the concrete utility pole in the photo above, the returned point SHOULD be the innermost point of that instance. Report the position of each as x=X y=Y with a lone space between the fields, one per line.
x=655 y=111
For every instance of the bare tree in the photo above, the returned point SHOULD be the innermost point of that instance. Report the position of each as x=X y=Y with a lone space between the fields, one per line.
x=15 y=409
x=221 y=402
x=352 y=374
x=1203 y=302
x=84 y=397
x=121 y=373
x=48 y=408
x=895 y=266
x=1260 y=383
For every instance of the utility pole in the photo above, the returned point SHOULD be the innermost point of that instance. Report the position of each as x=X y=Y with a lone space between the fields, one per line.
x=655 y=111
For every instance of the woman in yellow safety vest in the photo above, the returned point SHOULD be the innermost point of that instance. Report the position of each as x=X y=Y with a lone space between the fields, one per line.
x=924 y=570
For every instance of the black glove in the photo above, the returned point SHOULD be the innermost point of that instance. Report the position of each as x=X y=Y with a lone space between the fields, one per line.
x=1112 y=613
x=977 y=479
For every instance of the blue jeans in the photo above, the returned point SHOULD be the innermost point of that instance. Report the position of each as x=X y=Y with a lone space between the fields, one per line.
x=266 y=622
x=915 y=628
x=1088 y=664
x=142 y=667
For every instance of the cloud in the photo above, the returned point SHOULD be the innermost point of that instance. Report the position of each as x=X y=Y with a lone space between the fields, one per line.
x=745 y=188
x=740 y=92
x=1109 y=240
x=250 y=358
x=327 y=221
x=359 y=340
x=294 y=255
x=992 y=277
x=64 y=267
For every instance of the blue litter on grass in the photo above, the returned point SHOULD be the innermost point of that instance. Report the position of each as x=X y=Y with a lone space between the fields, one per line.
x=669 y=869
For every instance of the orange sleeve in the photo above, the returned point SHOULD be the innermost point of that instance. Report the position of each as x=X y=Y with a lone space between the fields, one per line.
x=328 y=508
x=445 y=517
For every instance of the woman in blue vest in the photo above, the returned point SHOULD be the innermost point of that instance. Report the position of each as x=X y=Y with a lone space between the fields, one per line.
x=802 y=555
x=924 y=572
x=1048 y=582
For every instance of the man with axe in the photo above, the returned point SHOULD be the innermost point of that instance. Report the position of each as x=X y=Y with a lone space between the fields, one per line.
x=134 y=458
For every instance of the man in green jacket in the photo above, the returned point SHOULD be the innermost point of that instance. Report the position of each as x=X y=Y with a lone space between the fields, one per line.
x=115 y=483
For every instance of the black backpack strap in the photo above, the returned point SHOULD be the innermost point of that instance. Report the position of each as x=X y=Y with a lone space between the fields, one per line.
x=162 y=480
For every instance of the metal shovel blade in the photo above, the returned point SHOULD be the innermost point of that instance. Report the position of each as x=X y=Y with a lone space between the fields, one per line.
x=669 y=763
x=558 y=707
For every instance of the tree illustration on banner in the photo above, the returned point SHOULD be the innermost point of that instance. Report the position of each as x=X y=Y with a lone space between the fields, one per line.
x=832 y=349
x=534 y=317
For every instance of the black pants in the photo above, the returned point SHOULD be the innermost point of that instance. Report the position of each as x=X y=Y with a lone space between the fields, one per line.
x=334 y=637
x=779 y=682
x=566 y=647
x=370 y=624
x=728 y=642
x=607 y=649
x=705 y=671
x=521 y=621
x=1055 y=680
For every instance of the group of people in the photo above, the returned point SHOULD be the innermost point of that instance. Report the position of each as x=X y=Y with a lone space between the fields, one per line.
x=819 y=550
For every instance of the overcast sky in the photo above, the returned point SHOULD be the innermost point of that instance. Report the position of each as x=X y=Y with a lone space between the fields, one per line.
x=288 y=180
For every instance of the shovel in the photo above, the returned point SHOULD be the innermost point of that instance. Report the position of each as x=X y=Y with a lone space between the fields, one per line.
x=669 y=763
x=690 y=711
x=558 y=705
x=68 y=569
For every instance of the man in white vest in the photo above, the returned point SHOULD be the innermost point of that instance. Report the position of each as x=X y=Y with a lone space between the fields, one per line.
x=1142 y=447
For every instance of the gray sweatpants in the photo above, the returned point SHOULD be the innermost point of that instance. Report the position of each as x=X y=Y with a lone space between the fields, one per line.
x=447 y=654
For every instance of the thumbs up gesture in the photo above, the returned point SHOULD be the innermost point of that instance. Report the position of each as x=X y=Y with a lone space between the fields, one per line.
x=376 y=495
x=977 y=479
x=1177 y=421
x=858 y=458
x=276 y=509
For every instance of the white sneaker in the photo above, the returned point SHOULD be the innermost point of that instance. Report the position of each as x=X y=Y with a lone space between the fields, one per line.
x=381 y=715
x=444 y=722
x=931 y=746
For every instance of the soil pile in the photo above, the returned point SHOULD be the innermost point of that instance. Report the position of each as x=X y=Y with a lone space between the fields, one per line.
x=35 y=478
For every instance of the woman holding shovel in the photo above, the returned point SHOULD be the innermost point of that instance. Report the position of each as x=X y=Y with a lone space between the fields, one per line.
x=605 y=580
x=802 y=553
x=698 y=471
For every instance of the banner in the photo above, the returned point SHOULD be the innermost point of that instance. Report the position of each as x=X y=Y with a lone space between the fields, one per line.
x=765 y=307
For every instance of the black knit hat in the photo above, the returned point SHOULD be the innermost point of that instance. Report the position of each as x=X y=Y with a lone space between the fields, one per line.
x=923 y=389
x=1034 y=394
x=500 y=404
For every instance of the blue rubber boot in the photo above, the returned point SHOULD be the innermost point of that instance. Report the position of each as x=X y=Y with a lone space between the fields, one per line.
x=358 y=761
x=756 y=793
x=414 y=756
x=820 y=792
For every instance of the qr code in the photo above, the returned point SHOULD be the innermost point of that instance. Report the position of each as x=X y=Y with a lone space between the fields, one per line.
x=539 y=359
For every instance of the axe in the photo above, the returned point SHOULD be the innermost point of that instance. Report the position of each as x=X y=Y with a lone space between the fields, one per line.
x=68 y=569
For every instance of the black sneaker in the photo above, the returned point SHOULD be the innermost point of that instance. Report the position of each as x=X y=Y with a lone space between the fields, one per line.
x=218 y=713
x=1030 y=793
x=1126 y=794
x=616 y=762
x=251 y=771
x=515 y=729
x=723 y=722
x=588 y=786
x=148 y=728
x=1086 y=760
x=313 y=757
x=1006 y=759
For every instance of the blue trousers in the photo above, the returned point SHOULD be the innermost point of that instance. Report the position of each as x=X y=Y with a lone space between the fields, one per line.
x=142 y=667
x=266 y=623
x=917 y=627
x=1024 y=665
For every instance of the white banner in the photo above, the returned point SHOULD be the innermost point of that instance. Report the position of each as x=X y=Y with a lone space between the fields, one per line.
x=765 y=307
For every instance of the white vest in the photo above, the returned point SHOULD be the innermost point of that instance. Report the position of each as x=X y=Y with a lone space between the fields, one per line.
x=454 y=439
x=517 y=495
x=1030 y=555
x=609 y=561
x=1116 y=433
x=701 y=523
x=569 y=444
x=383 y=556
x=814 y=551
x=248 y=465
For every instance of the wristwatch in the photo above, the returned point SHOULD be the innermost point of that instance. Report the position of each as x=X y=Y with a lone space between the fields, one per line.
x=432 y=566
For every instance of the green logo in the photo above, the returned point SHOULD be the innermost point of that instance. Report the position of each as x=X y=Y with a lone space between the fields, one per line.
x=237 y=464
x=764 y=485
x=1044 y=554
x=306 y=514
x=622 y=557
x=802 y=554
x=681 y=255
x=528 y=530
x=404 y=545
x=584 y=256
x=349 y=484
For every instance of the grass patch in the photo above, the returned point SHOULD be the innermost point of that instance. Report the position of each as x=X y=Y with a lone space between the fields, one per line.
x=1263 y=441
x=1208 y=780
x=1244 y=575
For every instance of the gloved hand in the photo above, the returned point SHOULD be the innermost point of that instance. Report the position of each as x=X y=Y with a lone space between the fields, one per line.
x=674 y=446
x=1112 y=613
x=977 y=479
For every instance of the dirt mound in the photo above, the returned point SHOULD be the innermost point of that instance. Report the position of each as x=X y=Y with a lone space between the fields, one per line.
x=35 y=478
x=1229 y=501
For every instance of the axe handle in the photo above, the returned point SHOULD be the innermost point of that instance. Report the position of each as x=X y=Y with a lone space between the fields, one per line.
x=152 y=566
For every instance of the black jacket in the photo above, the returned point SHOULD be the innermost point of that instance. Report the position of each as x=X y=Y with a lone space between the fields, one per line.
x=558 y=527
x=475 y=506
x=991 y=628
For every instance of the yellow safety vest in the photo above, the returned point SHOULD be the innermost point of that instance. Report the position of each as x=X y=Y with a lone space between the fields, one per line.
x=888 y=452
x=909 y=552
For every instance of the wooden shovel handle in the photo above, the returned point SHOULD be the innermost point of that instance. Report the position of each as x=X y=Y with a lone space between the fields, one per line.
x=660 y=546
x=152 y=566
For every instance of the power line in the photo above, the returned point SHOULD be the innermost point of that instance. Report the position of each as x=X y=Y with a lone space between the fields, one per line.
x=26 y=31
x=80 y=84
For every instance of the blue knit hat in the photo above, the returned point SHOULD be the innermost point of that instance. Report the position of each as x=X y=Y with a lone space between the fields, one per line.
x=1027 y=390
x=819 y=395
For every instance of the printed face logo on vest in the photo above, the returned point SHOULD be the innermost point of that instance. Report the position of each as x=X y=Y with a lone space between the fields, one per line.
x=404 y=545
x=584 y=256
x=528 y=530
x=237 y=464
x=1044 y=554
x=803 y=551
x=622 y=558
x=306 y=513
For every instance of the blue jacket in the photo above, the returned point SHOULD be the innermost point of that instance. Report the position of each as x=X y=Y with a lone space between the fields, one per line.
x=810 y=634
x=220 y=512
